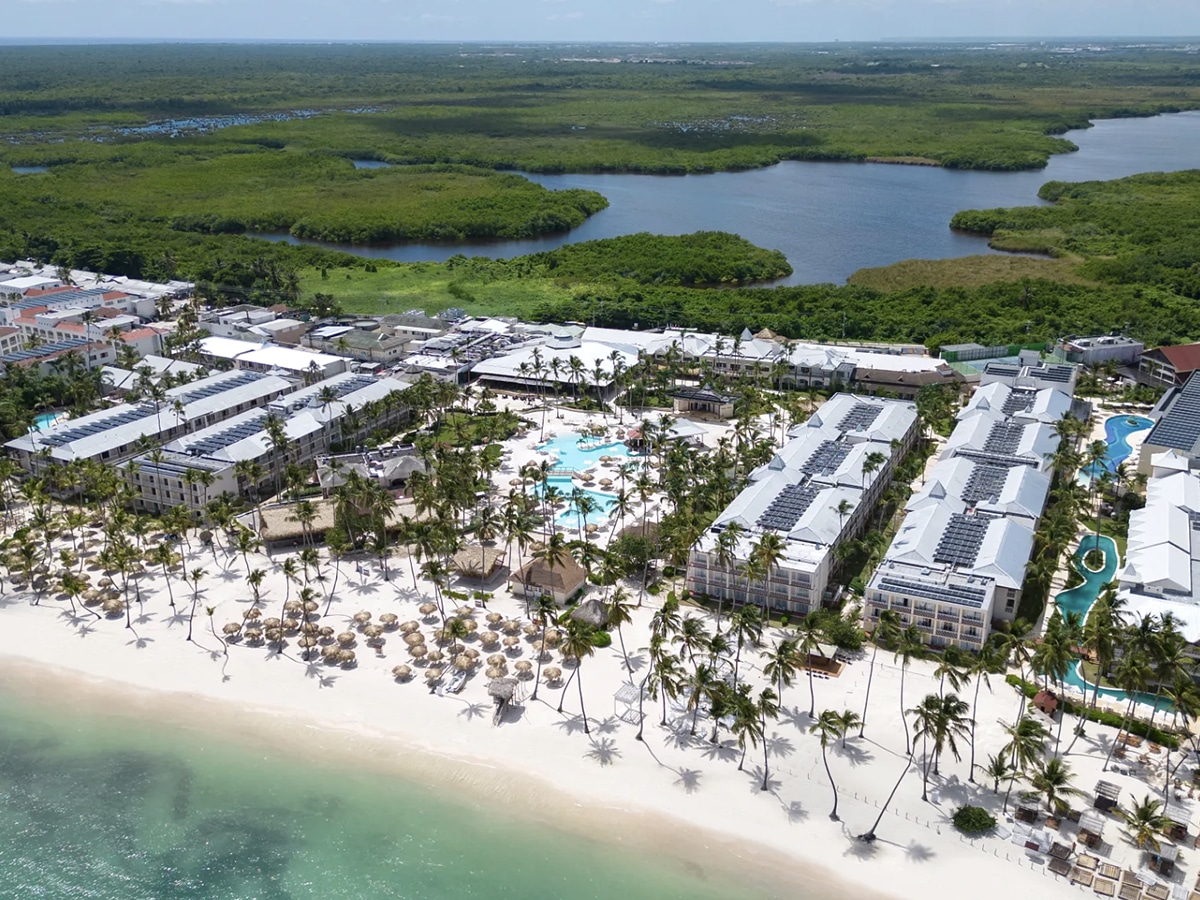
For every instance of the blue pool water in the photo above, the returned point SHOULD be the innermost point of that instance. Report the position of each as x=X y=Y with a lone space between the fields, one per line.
x=1080 y=598
x=575 y=453
x=569 y=517
x=45 y=420
x=1116 y=433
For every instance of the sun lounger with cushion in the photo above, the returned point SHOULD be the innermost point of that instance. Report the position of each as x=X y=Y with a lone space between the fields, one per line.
x=1108 y=870
x=1130 y=892
x=1082 y=876
x=1104 y=887
x=1059 y=866
x=1087 y=862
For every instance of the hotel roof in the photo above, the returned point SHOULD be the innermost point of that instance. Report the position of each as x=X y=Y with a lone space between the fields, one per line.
x=1179 y=425
x=974 y=484
x=1046 y=405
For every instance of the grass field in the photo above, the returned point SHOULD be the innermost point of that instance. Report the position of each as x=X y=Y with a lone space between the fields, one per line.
x=967 y=272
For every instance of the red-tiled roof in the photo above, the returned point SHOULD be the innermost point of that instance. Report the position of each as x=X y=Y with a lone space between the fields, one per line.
x=41 y=292
x=1185 y=357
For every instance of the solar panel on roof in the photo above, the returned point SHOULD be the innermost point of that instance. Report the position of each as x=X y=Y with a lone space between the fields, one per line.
x=227 y=437
x=826 y=458
x=1004 y=437
x=995 y=459
x=985 y=482
x=1179 y=427
x=960 y=542
x=1018 y=401
x=959 y=594
x=788 y=507
x=860 y=417
x=217 y=387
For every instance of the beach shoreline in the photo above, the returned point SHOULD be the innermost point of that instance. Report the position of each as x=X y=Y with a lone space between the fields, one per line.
x=659 y=798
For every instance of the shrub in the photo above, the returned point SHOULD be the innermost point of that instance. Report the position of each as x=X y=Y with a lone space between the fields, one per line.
x=973 y=820
x=601 y=639
x=1103 y=716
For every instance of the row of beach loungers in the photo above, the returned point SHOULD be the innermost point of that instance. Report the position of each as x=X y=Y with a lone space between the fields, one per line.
x=1108 y=880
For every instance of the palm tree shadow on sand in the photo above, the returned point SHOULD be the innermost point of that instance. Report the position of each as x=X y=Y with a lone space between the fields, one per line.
x=854 y=754
x=756 y=781
x=604 y=751
x=689 y=780
x=475 y=711
x=571 y=725
x=796 y=812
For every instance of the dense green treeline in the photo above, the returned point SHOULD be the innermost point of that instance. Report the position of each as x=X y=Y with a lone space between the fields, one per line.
x=1139 y=230
x=626 y=108
x=703 y=258
x=993 y=314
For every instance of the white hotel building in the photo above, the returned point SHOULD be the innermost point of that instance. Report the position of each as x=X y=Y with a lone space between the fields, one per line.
x=797 y=495
x=958 y=561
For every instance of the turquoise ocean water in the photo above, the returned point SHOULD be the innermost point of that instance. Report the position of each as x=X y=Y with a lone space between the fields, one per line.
x=94 y=807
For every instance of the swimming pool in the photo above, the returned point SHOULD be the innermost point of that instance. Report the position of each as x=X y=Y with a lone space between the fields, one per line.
x=1116 y=433
x=45 y=420
x=570 y=451
x=1080 y=598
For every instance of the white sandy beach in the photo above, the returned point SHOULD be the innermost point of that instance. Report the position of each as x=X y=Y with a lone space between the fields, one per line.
x=674 y=793
x=677 y=796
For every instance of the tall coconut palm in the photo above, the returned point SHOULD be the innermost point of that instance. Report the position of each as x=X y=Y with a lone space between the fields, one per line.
x=829 y=727
x=887 y=631
x=700 y=686
x=908 y=647
x=1025 y=747
x=783 y=662
x=747 y=726
x=620 y=612
x=1053 y=780
x=545 y=611
x=164 y=556
x=808 y=642
x=1132 y=675
x=988 y=661
x=578 y=645
x=998 y=768
x=746 y=625
x=768 y=709
x=952 y=667
x=197 y=575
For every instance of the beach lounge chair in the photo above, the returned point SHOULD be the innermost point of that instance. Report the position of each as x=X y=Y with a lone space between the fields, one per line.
x=1130 y=892
x=1082 y=876
x=1130 y=877
x=1059 y=866
x=1104 y=887
x=1158 y=892
x=1087 y=862
x=1108 y=870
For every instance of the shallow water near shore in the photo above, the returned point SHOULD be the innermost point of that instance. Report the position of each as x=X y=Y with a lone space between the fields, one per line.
x=108 y=807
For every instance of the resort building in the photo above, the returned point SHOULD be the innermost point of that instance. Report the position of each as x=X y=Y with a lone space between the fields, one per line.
x=11 y=339
x=48 y=357
x=1169 y=366
x=564 y=366
x=539 y=579
x=1091 y=351
x=339 y=411
x=59 y=298
x=154 y=369
x=289 y=361
x=101 y=325
x=958 y=560
x=704 y=400
x=115 y=434
x=816 y=493
x=1031 y=373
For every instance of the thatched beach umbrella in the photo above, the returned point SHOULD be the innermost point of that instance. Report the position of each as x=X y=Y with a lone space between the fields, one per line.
x=590 y=528
x=330 y=653
x=272 y=623
x=496 y=672
x=373 y=631
x=105 y=582
x=436 y=656
x=254 y=614
x=326 y=632
x=401 y=673
x=362 y=617
x=463 y=662
x=472 y=652
x=510 y=626
x=465 y=611
x=552 y=674
x=493 y=618
x=515 y=482
x=346 y=638
x=231 y=628
x=488 y=638
x=472 y=626
x=497 y=659
x=346 y=658
x=441 y=635
x=291 y=626
x=310 y=628
x=112 y=606
x=415 y=638
x=432 y=675
x=512 y=642
x=606 y=482
x=427 y=609
x=531 y=629
x=306 y=641
x=410 y=626
x=274 y=635
x=553 y=637
x=311 y=606
x=293 y=606
x=253 y=635
x=389 y=620
x=524 y=668
x=416 y=651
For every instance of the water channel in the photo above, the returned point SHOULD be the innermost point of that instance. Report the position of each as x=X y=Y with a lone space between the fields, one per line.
x=831 y=218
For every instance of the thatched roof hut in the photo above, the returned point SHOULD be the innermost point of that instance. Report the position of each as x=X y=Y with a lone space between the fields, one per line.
x=591 y=612
x=536 y=577
x=477 y=561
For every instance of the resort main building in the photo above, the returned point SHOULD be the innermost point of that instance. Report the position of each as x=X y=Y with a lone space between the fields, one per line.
x=816 y=493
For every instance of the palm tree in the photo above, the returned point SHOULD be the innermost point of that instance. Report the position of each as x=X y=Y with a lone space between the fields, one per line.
x=998 y=769
x=1145 y=821
x=1053 y=779
x=701 y=685
x=979 y=666
x=782 y=664
x=908 y=648
x=809 y=641
x=951 y=667
x=577 y=645
x=768 y=708
x=869 y=835
x=887 y=631
x=1025 y=747
x=1132 y=674
x=197 y=574
x=620 y=613
x=765 y=554
x=746 y=625
x=829 y=727
x=164 y=556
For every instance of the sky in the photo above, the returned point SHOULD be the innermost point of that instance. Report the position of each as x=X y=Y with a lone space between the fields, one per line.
x=595 y=20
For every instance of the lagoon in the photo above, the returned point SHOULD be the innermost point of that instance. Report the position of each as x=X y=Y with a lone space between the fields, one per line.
x=833 y=218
